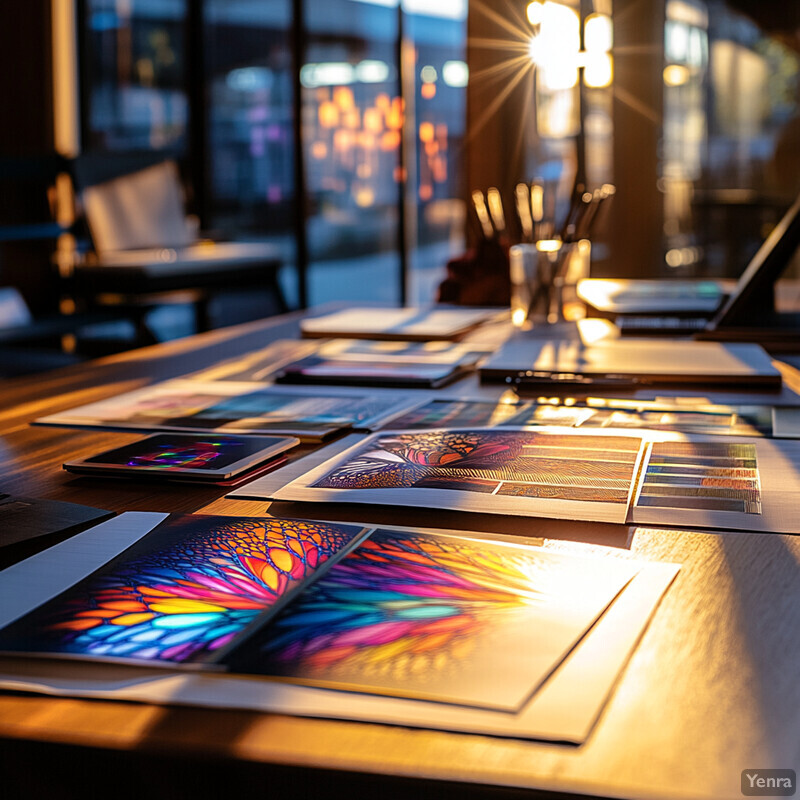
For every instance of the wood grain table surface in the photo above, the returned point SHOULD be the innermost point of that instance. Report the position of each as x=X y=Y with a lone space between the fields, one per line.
x=711 y=689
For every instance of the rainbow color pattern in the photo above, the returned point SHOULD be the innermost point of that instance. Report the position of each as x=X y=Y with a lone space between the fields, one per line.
x=169 y=456
x=182 y=592
x=399 y=612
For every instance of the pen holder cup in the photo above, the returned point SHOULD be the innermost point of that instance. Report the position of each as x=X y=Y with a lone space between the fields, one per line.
x=544 y=277
x=574 y=264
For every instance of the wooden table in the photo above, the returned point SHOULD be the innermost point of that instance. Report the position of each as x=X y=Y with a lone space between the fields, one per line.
x=711 y=690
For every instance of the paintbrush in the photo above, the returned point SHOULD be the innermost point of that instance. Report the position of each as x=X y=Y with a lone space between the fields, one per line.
x=479 y=204
x=522 y=198
x=607 y=191
x=568 y=228
x=549 y=198
x=496 y=212
x=537 y=209
x=579 y=221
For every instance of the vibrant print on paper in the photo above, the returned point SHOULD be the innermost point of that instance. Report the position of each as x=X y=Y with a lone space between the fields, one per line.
x=495 y=462
x=708 y=476
x=589 y=413
x=271 y=407
x=183 y=592
x=404 y=611
x=457 y=414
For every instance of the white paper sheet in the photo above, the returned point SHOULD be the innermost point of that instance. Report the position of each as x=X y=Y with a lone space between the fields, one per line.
x=398 y=323
x=777 y=476
x=304 y=488
x=778 y=479
x=565 y=709
x=188 y=405
x=265 y=487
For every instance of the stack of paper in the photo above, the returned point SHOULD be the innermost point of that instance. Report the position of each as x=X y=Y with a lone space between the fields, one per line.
x=439 y=629
x=608 y=475
x=232 y=407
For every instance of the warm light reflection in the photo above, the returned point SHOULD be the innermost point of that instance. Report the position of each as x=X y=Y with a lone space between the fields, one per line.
x=598 y=33
x=676 y=74
x=535 y=12
x=598 y=71
x=555 y=48
x=518 y=317
x=548 y=245
x=328 y=114
x=394 y=117
x=390 y=141
x=455 y=74
x=343 y=97
x=364 y=196
x=594 y=330
x=598 y=38
x=373 y=120
x=428 y=91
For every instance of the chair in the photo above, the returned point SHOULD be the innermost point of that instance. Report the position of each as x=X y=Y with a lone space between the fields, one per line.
x=144 y=247
x=29 y=344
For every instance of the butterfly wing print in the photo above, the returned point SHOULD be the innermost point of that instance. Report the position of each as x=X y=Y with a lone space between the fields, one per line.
x=405 y=459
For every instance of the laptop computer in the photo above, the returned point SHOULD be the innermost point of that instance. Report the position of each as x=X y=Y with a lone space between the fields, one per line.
x=716 y=310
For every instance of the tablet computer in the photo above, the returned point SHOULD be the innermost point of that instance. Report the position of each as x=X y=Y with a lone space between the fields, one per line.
x=204 y=457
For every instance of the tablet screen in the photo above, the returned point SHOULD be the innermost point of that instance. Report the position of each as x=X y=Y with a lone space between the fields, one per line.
x=177 y=452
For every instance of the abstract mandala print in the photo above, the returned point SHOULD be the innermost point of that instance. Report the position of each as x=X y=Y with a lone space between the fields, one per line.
x=401 y=610
x=182 y=592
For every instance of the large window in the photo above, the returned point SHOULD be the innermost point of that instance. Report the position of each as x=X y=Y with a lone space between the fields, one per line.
x=382 y=92
x=436 y=89
x=352 y=116
x=731 y=135
x=135 y=58
x=249 y=122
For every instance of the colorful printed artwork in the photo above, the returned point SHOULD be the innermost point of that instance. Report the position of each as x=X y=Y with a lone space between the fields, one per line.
x=738 y=421
x=496 y=461
x=457 y=414
x=227 y=406
x=159 y=407
x=269 y=407
x=183 y=592
x=438 y=617
x=708 y=476
x=589 y=412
